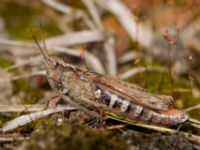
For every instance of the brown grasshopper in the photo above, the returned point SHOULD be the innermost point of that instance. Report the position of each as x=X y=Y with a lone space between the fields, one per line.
x=112 y=96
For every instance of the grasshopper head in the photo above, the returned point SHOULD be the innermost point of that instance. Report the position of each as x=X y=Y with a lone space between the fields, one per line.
x=54 y=68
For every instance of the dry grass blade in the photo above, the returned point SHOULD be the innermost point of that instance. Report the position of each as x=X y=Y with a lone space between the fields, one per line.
x=94 y=13
x=68 y=39
x=28 y=75
x=5 y=86
x=114 y=127
x=72 y=13
x=192 y=108
x=111 y=65
x=127 y=57
x=32 y=61
x=191 y=137
x=137 y=70
x=74 y=38
x=61 y=7
x=12 y=139
x=6 y=44
x=92 y=61
x=195 y=123
x=21 y=108
x=24 y=119
x=128 y=21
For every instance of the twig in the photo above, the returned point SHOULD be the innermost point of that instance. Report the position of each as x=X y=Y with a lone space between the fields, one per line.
x=127 y=57
x=94 y=13
x=21 y=108
x=111 y=65
x=69 y=39
x=116 y=127
x=61 y=7
x=170 y=43
x=12 y=139
x=128 y=21
x=191 y=137
x=194 y=121
x=92 y=61
x=42 y=72
x=24 y=119
x=75 y=38
x=109 y=43
x=192 y=108
x=73 y=13
x=33 y=61
x=5 y=43
x=137 y=70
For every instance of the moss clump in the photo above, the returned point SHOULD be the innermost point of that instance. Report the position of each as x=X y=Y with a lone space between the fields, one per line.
x=160 y=141
x=4 y=63
x=75 y=136
x=19 y=17
x=72 y=135
x=160 y=83
x=31 y=93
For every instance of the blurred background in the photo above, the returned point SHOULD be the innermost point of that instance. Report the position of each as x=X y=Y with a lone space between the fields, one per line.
x=152 y=43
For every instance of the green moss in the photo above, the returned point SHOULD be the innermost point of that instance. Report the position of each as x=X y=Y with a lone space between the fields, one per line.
x=18 y=18
x=32 y=93
x=4 y=63
x=160 y=83
x=6 y=117
x=72 y=135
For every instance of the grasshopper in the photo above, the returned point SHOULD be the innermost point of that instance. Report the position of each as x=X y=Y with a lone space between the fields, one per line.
x=111 y=95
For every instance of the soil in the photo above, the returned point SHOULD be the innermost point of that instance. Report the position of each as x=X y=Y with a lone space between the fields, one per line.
x=74 y=135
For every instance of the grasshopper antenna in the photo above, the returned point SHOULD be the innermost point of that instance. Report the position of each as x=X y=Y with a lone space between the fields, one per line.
x=43 y=38
x=44 y=53
x=46 y=57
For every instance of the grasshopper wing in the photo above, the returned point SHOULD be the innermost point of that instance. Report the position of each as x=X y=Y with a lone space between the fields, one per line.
x=131 y=92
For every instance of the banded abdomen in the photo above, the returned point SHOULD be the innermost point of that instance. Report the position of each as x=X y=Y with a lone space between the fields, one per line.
x=170 y=117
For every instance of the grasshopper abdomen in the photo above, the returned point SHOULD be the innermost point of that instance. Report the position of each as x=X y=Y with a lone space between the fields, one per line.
x=138 y=112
